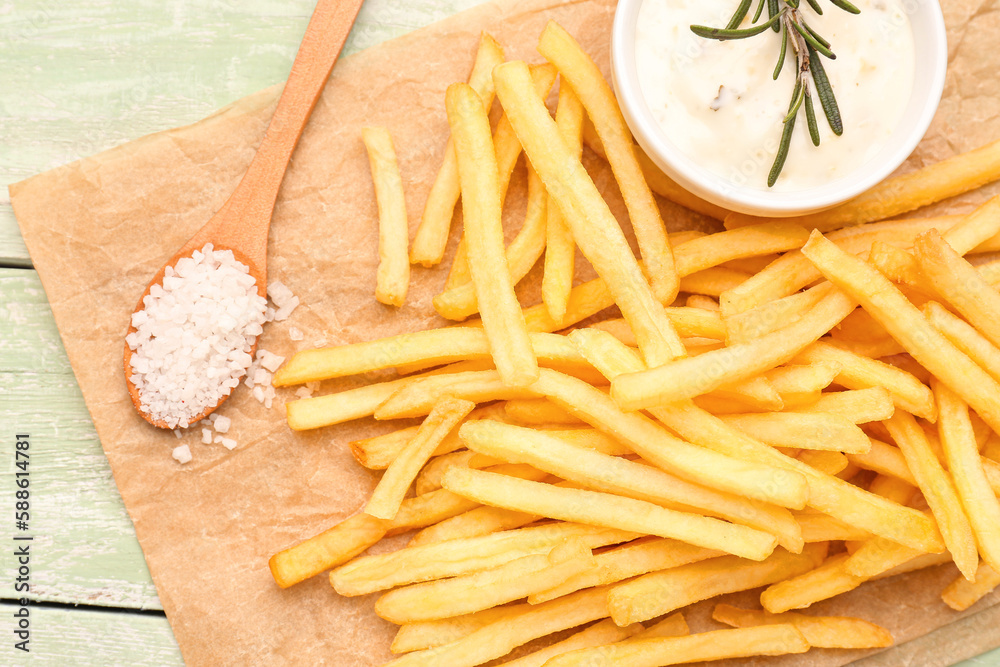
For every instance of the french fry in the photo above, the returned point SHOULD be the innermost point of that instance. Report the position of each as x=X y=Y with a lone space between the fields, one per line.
x=686 y=378
x=900 y=194
x=604 y=509
x=819 y=527
x=938 y=489
x=820 y=430
x=575 y=66
x=599 y=634
x=416 y=398
x=701 y=301
x=459 y=301
x=501 y=637
x=654 y=444
x=672 y=626
x=391 y=489
x=858 y=372
x=474 y=523
x=474 y=592
x=658 y=182
x=745 y=326
x=429 y=634
x=659 y=593
x=962 y=593
x=713 y=281
x=432 y=235
x=819 y=631
x=429 y=478
x=965 y=337
x=594 y=228
x=627 y=561
x=884 y=459
x=369 y=574
x=803 y=381
x=824 y=582
x=477 y=167
x=330 y=409
x=876 y=556
x=537 y=412
x=609 y=474
x=905 y=323
x=965 y=465
x=960 y=284
x=826 y=462
x=858 y=405
x=528 y=245
x=557 y=279
x=712 y=645
x=715 y=249
x=392 y=278
x=752 y=265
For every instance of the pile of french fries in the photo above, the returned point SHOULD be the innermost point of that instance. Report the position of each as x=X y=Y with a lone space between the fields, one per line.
x=820 y=410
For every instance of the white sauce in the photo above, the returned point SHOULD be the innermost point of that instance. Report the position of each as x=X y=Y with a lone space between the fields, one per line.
x=717 y=103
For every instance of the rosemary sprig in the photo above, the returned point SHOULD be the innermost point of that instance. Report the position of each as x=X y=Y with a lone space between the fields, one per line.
x=785 y=17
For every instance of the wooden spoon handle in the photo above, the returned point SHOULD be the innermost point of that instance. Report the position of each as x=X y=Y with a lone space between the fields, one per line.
x=252 y=203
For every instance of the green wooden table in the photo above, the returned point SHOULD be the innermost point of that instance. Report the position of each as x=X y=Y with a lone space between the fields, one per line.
x=77 y=78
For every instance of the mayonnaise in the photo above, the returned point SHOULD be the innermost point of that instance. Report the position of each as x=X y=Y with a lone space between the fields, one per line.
x=717 y=103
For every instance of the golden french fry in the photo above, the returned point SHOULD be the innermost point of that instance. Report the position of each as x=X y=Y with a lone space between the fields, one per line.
x=962 y=593
x=672 y=626
x=965 y=337
x=824 y=582
x=820 y=430
x=819 y=527
x=858 y=372
x=594 y=227
x=432 y=235
x=662 y=592
x=714 y=281
x=876 y=556
x=477 y=167
x=899 y=266
x=715 y=249
x=805 y=380
x=757 y=394
x=474 y=523
x=528 y=245
x=911 y=329
x=745 y=326
x=938 y=489
x=474 y=592
x=417 y=397
x=391 y=489
x=900 y=194
x=604 y=509
x=613 y=475
x=599 y=634
x=711 y=645
x=428 y=634
x=884 y=459
x=702 y=301
x=575 y=66
x=826 y=462
x=538 y=412
x=686 y=378
x=429 y=478
x=557 y=279
x=858 y=405
x=330 y=409
x=502 y=636
x=966 y=469
x=369 y=574
x=627 y=561
x=392 y=278
x=670 y=454
x=819 y=631
x=752 y=265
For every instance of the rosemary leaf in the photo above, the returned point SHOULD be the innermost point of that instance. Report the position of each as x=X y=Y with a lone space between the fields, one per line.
x=813 y=42
x=740 y=14
x=846 y=6
x=794 y=4
x=723 y=34
x=779 y=159
x=772 y=11
x=825 y=92
x=784 y=50
x=811 y=119
x=815 y=34
x=760 y=10
x=797 y=96
x=816 y=6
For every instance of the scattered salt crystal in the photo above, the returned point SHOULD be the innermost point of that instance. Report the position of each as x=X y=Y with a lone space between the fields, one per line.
x=295 y=334
x=178 y=434
x=217 y=439
x=213 y=417
x=222 y=424
x=314 y=385
x=258 y=393
x=182 y=454
x=211 y=299
x=228 y=443
x=261 y=377
x=270 y=361
x=285 y=311
x=304 y=392
x=206 y=436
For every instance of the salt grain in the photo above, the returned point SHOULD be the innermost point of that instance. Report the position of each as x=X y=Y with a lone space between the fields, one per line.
x=182 y=454
x=295 y=334
x=206 y=436
x=222 y=424
x=193 y=336
x=228 y=443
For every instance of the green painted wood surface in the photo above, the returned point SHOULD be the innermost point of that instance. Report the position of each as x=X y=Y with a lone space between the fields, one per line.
x=78 y=78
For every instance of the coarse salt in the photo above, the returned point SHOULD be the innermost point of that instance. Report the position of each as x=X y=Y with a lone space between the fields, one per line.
x=194 y=335
x=182 y=454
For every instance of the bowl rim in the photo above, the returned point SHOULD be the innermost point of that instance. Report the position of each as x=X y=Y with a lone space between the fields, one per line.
x=720 y=189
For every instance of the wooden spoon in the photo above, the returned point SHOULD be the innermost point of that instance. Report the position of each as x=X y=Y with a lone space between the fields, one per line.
x=242 y=224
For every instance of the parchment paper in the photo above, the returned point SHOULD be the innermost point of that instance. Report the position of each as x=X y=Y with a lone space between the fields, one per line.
x=99 y=228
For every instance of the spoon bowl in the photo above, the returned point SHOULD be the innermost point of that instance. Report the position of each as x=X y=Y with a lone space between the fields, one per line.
x=243 y=222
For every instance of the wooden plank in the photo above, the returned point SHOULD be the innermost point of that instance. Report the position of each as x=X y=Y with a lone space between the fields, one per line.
x=93 y=638
x=84 y=76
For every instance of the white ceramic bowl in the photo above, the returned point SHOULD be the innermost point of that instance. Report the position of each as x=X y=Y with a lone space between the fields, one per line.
x=930 y=62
